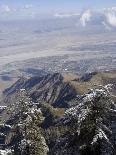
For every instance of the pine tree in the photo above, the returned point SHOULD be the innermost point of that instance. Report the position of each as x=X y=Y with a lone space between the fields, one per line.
x=91 y=122
x=28 y=117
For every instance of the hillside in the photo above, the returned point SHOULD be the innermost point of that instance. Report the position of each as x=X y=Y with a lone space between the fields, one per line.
x=50 y=106
x=58 y=89
x=50 y=88
x=94 y=79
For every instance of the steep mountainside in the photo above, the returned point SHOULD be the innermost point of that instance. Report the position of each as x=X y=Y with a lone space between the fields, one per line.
x=50 y=88
x=61 y=110
x=57 y=89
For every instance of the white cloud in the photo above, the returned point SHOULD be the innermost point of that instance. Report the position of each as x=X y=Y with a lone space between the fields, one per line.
x=110 y=15
x=17 y=12
x=106 y=17
x=106 y=26
x=86 y=17
x=60 y=15
x=28 y=6
x=6 y=8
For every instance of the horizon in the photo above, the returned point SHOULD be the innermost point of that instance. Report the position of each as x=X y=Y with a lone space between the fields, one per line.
x=32 y=9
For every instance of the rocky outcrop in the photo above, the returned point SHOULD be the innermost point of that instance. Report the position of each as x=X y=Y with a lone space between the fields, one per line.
x=50 y=88
x=87 y=77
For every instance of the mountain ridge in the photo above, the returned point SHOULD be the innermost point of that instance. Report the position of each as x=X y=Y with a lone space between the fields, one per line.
x=50 y=88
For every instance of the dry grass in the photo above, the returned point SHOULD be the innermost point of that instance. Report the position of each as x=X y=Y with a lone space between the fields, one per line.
x=100 y=78
x=70 y=77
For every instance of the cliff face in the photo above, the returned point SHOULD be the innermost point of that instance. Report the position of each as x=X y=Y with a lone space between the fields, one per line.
x=56 y=90
x=50 y=88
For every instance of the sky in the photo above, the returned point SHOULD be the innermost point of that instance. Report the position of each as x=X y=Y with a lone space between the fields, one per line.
x=26 y=8
x=64 y=4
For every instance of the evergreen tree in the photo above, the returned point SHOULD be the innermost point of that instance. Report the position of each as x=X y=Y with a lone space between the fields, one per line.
x=28 y=117
x=91 y=122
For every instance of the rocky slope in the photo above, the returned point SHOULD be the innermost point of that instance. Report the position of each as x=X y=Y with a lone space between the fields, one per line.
x=57 y=94
x=50 y=88
x=57 y=89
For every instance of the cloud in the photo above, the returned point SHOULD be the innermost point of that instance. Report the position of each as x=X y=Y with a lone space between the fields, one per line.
x=85 y=17
x=6 y=8
x=107 y=27
x=17 y=12
x=110 y=15
x=60 y=15
x=28 y=6
x=105 y=17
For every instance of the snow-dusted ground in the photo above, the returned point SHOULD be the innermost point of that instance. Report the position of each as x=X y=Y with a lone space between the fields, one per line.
x=5 y=152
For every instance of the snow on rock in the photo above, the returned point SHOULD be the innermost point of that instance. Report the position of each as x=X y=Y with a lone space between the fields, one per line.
x=5 y=152
x=3 y=107
x=100 y=135
x=2 y=134
x=5 y=125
